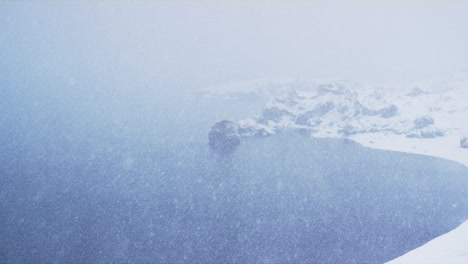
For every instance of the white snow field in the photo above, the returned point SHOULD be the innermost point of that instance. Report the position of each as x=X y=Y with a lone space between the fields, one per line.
x=449 y=248
x=424 y=118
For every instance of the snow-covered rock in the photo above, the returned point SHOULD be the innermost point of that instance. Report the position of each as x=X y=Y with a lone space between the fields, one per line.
x=250 y=128
x=464 y=142
x=424 y=121
x=343 y=109
x=426 y=133
x=449 y=248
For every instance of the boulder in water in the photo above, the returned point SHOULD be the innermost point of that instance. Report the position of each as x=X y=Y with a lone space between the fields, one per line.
x=224 y=137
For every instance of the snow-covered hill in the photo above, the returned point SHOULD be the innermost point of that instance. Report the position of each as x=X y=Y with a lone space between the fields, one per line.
x=408 y=118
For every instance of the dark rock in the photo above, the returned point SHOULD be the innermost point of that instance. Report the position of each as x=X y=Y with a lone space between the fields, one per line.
x=423 y=121
x=464 y=142
x=319 y=111
x=347 y=130
x=389 y=111
x=386 y=112
x=274 y=114
x=224 y=137
x=426 y=133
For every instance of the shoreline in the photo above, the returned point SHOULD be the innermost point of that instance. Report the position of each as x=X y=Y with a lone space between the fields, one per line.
x=444 y=248
x=447 y=147
x=447 y=248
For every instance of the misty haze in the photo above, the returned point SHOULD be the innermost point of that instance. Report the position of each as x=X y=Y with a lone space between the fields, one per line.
x=232 y=132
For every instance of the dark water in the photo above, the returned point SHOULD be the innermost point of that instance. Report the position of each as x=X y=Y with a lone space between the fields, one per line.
x=283 y=199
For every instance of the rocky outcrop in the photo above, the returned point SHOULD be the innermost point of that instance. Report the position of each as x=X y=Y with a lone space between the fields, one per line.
x=341 y=109
x=333 y=108
x=224 y=137
x=386 y=112
x=274 y=114
x=426 y=133
x=464 y=142
x=308 y=117
x=250 y=128
x=424 y=121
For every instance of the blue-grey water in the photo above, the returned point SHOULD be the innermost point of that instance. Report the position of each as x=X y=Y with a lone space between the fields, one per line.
x=135 y=181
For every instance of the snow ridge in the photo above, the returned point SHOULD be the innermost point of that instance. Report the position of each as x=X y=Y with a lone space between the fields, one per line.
x=339 y=109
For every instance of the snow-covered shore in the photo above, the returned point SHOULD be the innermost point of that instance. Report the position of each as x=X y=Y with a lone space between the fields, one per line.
x=413 y=119
x=448 y=248
x=442 y=147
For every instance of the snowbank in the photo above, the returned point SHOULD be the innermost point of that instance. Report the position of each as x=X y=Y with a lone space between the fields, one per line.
x=449 y=248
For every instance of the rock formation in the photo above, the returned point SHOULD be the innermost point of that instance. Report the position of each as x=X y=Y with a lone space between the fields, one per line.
x=224 y=137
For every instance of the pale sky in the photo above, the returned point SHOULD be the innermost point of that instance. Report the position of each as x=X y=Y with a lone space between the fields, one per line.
x=207 y=43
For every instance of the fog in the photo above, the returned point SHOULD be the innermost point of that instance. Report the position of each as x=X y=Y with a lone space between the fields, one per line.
x=104 y=152
x=205 y=43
